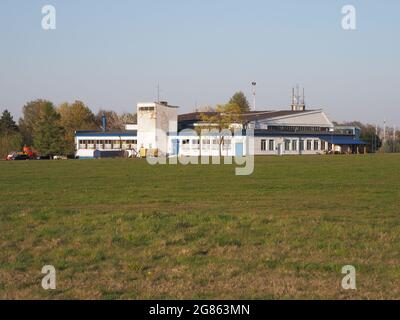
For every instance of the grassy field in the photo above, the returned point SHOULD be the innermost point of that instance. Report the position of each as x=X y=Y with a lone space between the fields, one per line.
x=122 y=229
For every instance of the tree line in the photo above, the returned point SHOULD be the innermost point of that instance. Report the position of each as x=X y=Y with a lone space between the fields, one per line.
x=50 y=129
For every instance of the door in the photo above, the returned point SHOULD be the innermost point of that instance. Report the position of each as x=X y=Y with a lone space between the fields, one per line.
x=175 y=147
x=239 y=149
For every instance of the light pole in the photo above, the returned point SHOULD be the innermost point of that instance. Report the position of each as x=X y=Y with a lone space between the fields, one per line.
x=254 y=84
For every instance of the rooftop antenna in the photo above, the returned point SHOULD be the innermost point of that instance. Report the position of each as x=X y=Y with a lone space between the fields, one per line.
x=158 y=92
x=293 y=99
x=254 y=84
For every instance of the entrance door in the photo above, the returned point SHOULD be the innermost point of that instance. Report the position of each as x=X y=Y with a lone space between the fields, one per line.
x=280 y=149
x=175 y=147
x=239 y=149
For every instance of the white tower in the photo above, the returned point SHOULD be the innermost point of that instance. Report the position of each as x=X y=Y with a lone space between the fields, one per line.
x=155 y=121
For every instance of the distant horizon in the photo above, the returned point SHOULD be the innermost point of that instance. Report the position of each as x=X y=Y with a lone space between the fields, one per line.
x=110 y=57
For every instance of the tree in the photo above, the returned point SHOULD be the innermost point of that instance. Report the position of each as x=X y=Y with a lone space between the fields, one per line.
x=240 y=99
x=368 y=134
x=10 y=138
x=75 y=117
x=31 y=114
x=49 y=134
x=7 y=123
x=9 y=143
x=114 y=122
x=128 y=118
x=224 y=118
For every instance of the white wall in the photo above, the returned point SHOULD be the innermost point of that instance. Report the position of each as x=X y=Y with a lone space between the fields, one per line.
x=155 y=124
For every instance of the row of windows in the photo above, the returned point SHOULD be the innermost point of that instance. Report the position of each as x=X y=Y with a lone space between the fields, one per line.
x=146 y=109
x=297 y=129
x=206 y=144
x=271 y=145
x=205 y=141
x=291 y=145
x=115 y=142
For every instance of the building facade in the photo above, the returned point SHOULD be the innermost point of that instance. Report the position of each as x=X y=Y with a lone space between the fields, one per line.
x=160 y=131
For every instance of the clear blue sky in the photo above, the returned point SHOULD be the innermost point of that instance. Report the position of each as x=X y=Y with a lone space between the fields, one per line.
x=111 y=54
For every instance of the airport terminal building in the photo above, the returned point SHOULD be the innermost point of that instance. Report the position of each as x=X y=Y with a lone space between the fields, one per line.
x=161 y=131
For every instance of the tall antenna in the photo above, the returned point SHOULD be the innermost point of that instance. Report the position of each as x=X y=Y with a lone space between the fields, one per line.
x=384 y=130
x=158 y=92
x=254 y=84
x=293 y=99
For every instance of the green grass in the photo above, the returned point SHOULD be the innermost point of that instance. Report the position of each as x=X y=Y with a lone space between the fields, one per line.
x=122 y=229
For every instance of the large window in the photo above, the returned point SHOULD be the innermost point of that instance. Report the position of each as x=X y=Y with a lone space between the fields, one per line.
x=301 y=145
x=263 y=145
x=206 y=144
x=287 y=145
x=316 y=145
x=294 y=145
x=271 y=145
x=215 y=144
x=196 y=144
x=227 y=144
x=309 y=143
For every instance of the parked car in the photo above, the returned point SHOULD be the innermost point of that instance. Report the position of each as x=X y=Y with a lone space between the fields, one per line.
x=46 y=157
x=17 y=156
x=11 y=155
x=60 y=158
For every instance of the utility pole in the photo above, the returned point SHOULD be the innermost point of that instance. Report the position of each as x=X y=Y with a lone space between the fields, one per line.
x=384 y=130
x=254 y=84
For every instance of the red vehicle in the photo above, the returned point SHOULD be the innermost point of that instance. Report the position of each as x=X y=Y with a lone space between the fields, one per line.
x=29 y=152
x=26 y=154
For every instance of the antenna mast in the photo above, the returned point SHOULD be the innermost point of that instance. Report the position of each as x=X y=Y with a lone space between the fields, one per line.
x=158 y=92
x=254 y=84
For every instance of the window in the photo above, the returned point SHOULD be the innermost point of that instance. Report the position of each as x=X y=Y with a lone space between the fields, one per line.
x=316 y=145
x=206 y=144
x=294 y=145
x=309 y=142
x=287 y=145
x=263 y=145
x=227 y=144
x=323 y=145
x=271 y=145
x=196 y=144
x=146 y=109
x=215 y=144
x=301 y=145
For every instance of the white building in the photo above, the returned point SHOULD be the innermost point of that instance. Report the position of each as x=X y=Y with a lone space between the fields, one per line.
x=161 y=131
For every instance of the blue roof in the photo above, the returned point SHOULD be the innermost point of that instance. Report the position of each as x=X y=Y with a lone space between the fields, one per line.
x=132 y=133
x=343 y=140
